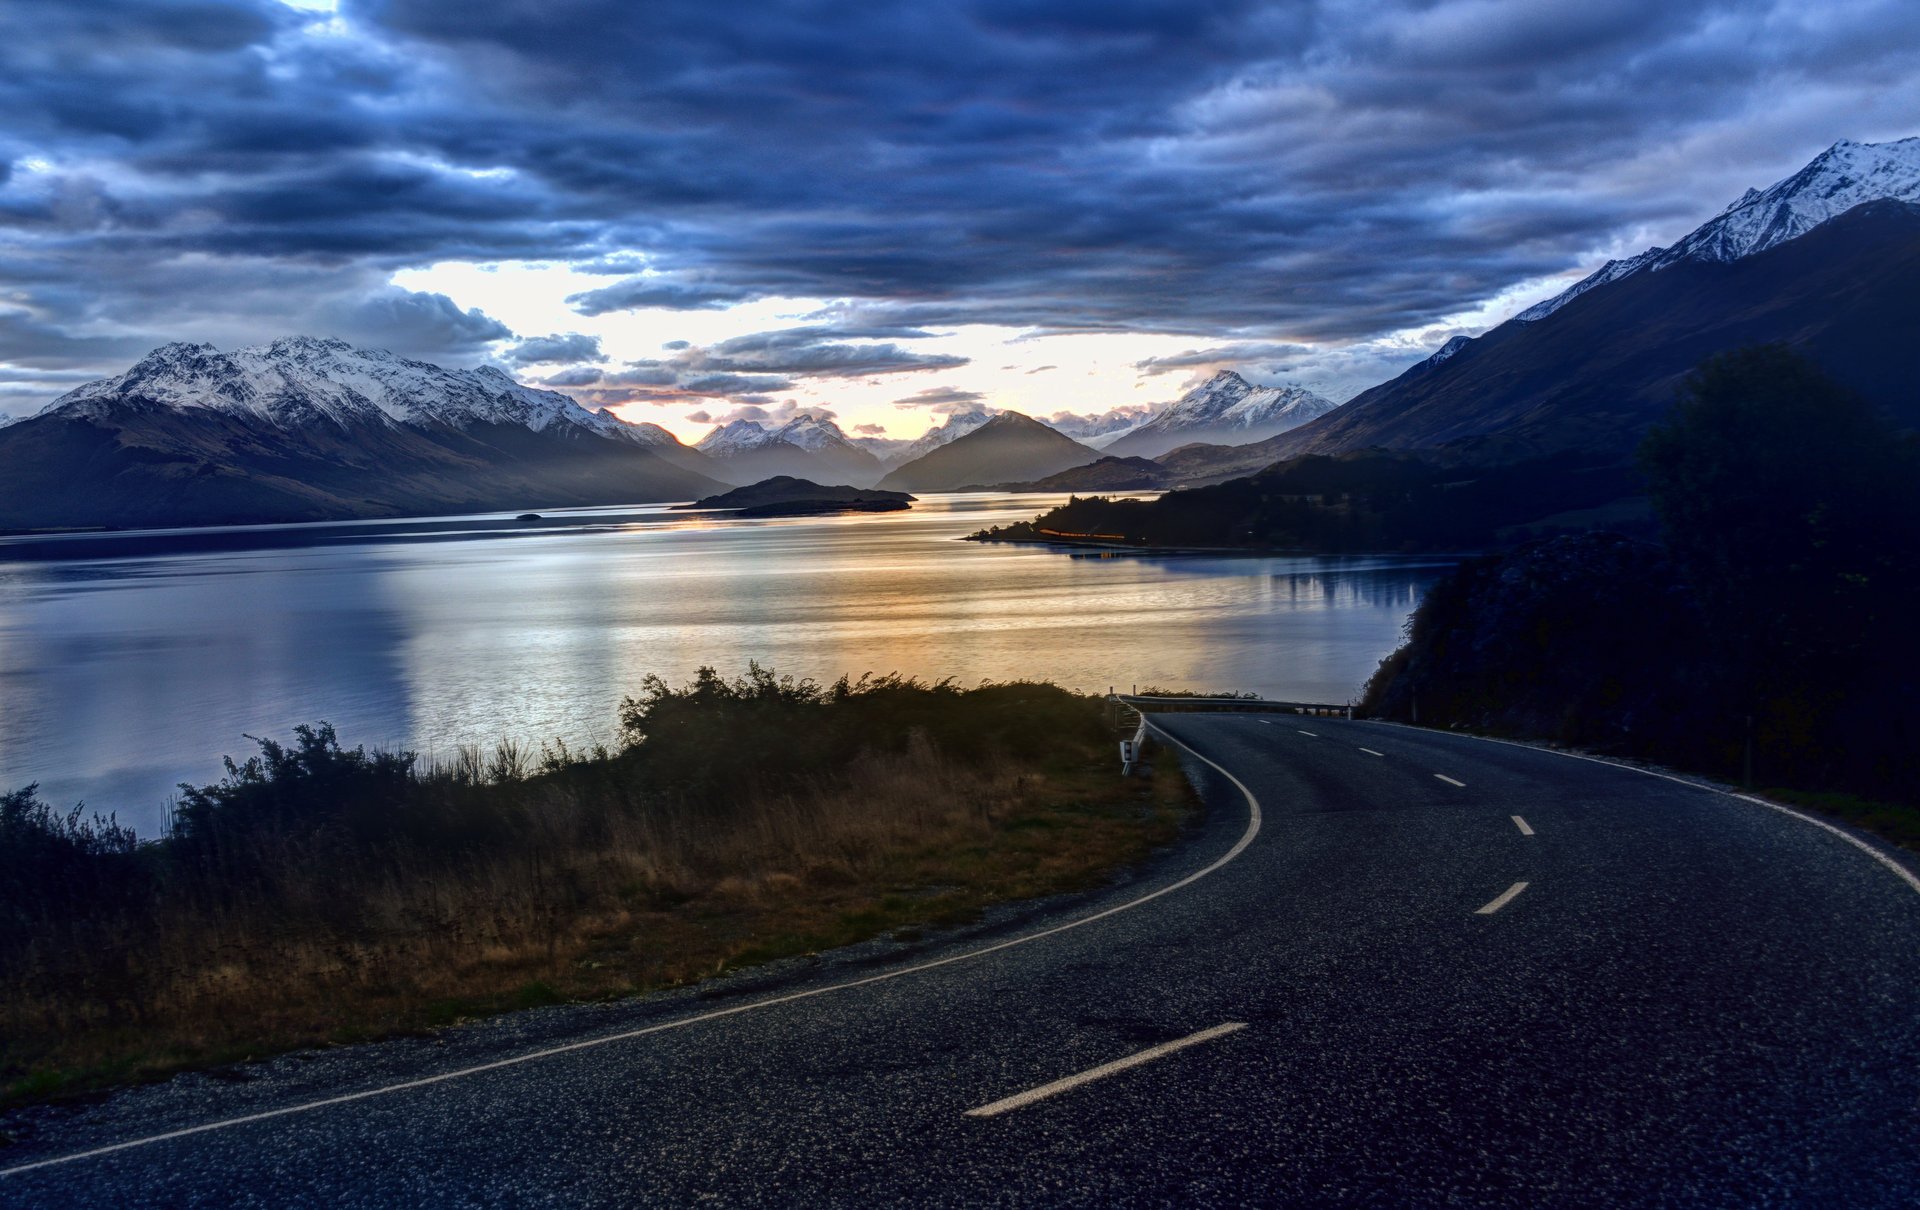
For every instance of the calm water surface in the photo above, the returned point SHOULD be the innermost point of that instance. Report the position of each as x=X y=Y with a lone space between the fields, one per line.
x=125 y=673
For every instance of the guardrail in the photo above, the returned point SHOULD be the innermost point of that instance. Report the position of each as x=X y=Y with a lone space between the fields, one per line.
x=1132 y=749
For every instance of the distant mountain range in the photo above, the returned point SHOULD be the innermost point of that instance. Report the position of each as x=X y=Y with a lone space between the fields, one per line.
x=807 y=447
x=1226 y=409
x=1009 y=448
x=1827 y=261
x=305 y=429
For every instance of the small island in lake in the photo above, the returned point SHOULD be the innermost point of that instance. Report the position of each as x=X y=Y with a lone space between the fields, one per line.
x=786 y=496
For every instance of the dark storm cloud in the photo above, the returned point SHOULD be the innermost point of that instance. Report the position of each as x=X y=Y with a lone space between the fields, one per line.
x=771 y=361
x=554 y=349
x=406 y=320
x=575 y=376
x=937 y=398
x=1230 y=354
x=817 y=352
x=642 y=292
x=1241 y=173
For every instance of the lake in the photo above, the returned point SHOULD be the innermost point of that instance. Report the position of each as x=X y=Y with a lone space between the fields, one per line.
x=129 y=663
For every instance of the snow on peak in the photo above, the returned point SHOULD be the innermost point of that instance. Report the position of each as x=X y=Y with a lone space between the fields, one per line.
x=1446 y=351
x=301 y=380
x=733 y=437
x=1843 y=176
x=957 y=425
x=811 y=433
x=642 y=432
x=805 y=431
x=1229 y=401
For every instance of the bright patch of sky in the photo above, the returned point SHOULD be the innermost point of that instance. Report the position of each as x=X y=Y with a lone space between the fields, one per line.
x=1010 y=368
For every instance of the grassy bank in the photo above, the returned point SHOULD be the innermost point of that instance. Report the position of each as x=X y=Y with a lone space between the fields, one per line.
x=320 y=894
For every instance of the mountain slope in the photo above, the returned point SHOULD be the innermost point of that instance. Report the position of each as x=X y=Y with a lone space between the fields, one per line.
x=1010 y=448
x=1109 y=474
x=1596 y=373
x=1226 y=409
x=956 y=426
x=305 y=430
x=1843 y=176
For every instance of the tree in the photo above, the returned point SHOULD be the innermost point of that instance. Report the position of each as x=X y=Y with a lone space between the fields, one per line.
x=1792 y=507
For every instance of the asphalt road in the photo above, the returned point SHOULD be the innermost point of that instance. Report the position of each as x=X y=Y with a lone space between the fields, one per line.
x=1342 y=998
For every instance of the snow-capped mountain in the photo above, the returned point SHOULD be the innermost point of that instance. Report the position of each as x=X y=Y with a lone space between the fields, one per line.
x=734 y=437
x=303 y=380
x=806 y=447
x=883 y=448
x=1224 y=410
x=1838 y=179
x=807 y=432
x=1446 y=351
x=309 y=429
x=1099 y=430
x=814 y=433
x=957 y=425
x=640 y=432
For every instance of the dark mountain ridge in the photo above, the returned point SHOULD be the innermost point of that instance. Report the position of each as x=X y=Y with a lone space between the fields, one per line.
x=1595 y=374
x=1010 y=448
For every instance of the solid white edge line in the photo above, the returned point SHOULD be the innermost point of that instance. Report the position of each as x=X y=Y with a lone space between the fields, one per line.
x=1522 y=825
x=1239 y=847
x=1371 y=752
x=1104 y=1070
x=1902 y=872
x=1503 y=900
x=1443 y=777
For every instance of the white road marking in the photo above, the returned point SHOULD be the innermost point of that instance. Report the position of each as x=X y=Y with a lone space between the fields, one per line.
x=1901 y=872
x=1148 y=1055
x=1239 y=847
x=1263 y=722
x=1505 y=898
x=1306 y=733
x=1443 y=777
x=1522 y=825
x=1371 y=752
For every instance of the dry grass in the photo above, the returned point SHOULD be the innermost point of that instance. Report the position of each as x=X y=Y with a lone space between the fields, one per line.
x=590 y=904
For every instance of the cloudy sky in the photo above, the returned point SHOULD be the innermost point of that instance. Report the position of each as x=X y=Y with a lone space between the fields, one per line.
x=691 y=211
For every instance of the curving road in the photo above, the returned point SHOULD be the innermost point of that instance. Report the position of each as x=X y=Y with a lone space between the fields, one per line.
x=1393 y=967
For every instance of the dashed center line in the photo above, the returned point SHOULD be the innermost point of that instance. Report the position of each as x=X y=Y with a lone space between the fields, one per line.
x=1505 y=898
x=1148 y=1055
x=1306 y=733
x=1443 y=777
x=1522 y=825
x=1263 y=722
x=1371 y=752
